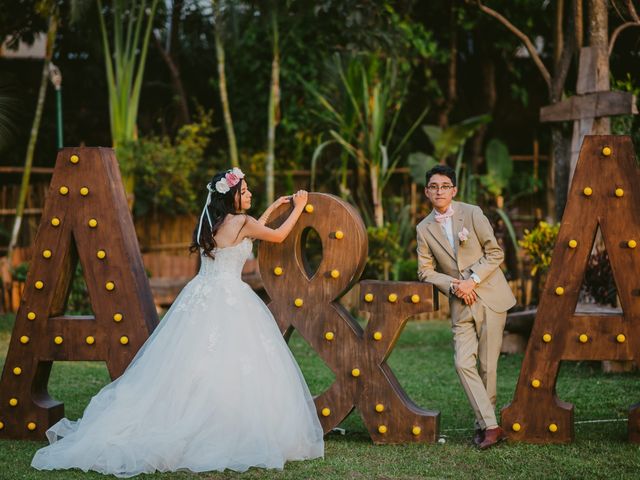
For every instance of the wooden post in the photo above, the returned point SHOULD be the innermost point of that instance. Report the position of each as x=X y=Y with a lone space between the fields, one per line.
x=592 y=101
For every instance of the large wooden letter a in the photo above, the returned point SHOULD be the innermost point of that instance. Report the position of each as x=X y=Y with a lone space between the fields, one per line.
x=86 y=218
x=604 y=192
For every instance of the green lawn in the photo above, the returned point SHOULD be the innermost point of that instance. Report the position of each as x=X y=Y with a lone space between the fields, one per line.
x=422 y=360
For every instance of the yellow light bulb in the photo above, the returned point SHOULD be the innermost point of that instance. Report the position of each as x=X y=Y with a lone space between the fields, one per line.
x=93 y=223
x=39 y=285
x=31 y=426
x=1 y=425
x=17 y=371
x=606 y=151
x=63 y=190
x=379 y=408
x=326 y=412
x=55 y=221
x=559 y=291
x=13 y=402
x=377 y=335
x=277 y=271
x=619 y=192
x=117 y=317
x=31 y=315
x=588 y=191
x=24 y=339
x=74 y=159
x=110 y=286
x=46 y=253
x=632 y=244
x=298 y=302
x=573 y=243
x=124 y=340
x=553 y=427
x=415 y=298
x=546 y=338
x=382 y=429
x=584 y=338
x=535 y=383
x=339 y=234
x=58 y=340
x=516 y=427
x=393 y=297
x=368 y=297
x=416 y=430
x=335 y=273
x=355 y=372
x=84 y=191
x=620 y=338
x=101 y=254
x=90 y=340
x=329 y=336
x=308 y=208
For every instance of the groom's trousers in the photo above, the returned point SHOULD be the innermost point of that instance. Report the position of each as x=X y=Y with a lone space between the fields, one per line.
x=477 y=336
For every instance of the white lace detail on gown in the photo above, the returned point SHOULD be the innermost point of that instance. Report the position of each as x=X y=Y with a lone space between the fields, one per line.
x=215 y=387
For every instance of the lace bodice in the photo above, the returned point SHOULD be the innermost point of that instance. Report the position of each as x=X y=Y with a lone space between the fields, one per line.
x=228 y=261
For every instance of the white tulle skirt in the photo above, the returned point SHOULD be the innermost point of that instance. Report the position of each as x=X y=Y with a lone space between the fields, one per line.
x=215 y=387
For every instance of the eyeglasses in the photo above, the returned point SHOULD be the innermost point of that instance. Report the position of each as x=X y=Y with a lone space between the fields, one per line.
x=435 y=188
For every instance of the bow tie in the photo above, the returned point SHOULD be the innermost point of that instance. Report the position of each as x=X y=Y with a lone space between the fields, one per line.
x=441 y=217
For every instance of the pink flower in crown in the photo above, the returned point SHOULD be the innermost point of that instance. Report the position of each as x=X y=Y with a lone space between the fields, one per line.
x=463 y=235
x=232 y=179
x=234 y=176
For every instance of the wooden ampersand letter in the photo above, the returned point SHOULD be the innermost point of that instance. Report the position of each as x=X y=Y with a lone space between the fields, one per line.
x=604 y=192
x=86 y=218
x=307 y=301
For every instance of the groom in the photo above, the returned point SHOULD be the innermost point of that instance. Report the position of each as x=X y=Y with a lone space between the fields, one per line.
x=459 y=254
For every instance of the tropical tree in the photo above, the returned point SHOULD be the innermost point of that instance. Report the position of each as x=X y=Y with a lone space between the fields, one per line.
x=274 y=108
x=364 y=114
x=222 y=82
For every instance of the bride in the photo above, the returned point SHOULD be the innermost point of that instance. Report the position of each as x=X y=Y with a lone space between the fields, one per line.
x=215 y=386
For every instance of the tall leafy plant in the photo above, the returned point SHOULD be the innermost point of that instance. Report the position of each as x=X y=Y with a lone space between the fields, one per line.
x=363 y=106
x=125 y=57
x=447 y=142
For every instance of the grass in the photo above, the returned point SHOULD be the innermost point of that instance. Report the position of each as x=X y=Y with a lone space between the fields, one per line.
x=422 y=361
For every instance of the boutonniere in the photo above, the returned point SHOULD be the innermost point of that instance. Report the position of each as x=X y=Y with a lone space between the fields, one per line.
x=463 y=235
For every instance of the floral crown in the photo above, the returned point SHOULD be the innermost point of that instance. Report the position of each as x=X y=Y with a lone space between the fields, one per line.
x=230 y=179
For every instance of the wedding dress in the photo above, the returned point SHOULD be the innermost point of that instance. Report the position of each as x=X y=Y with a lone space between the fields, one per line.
x=214 y=387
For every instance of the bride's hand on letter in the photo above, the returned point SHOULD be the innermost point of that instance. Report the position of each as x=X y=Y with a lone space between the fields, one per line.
x=300 y=198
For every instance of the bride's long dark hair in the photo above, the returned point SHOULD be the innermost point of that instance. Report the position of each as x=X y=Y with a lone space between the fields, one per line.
x=221 y=205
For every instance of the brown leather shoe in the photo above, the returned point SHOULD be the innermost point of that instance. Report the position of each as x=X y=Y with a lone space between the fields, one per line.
x=492 y=437
x=478 y=437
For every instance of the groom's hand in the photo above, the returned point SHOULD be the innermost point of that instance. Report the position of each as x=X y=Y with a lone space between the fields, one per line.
x=465 y=287
x=464 y=290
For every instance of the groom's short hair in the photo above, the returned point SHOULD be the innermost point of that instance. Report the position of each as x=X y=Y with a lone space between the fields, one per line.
x=442 y=170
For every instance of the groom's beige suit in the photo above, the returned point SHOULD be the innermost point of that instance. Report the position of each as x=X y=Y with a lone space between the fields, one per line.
x=477 y=329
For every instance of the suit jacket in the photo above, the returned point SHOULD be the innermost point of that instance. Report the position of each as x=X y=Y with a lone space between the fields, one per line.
x=439 y=263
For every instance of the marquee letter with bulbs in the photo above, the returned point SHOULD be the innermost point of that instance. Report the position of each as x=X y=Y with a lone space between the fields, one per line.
x=604 y=193
x=85 y=219
x=307 y=301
